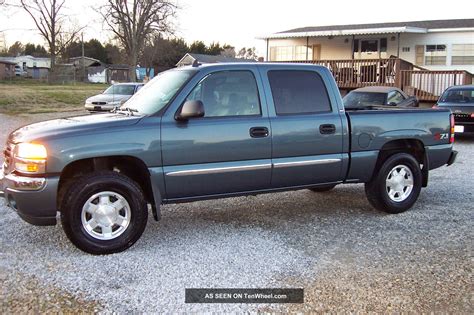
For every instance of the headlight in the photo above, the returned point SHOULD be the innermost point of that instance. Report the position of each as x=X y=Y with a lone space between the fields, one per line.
x=30 y=158
x=88 y=102
x=115 y=103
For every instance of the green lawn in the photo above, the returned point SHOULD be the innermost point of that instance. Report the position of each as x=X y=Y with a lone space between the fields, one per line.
x=32 y=97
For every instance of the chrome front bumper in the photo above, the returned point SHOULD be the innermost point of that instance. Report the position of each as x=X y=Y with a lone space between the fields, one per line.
x=33 y=198
x=20 y=183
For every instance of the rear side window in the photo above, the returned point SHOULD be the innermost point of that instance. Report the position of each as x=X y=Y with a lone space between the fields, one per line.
x=298 y=92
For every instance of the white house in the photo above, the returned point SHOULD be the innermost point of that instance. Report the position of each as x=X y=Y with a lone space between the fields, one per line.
x=29 y=61
x=433 y=45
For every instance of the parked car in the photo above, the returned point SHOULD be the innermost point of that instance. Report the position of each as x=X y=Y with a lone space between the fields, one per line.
x=460 y=100
x=379 y=96
x=216 y=131
x=114 y=96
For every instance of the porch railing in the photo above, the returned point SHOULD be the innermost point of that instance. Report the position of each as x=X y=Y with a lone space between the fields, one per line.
x=428 y=85
x=425 y=84
x=357 y=73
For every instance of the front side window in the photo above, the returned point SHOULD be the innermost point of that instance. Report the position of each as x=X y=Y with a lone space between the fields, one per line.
x=435 y=55
x=394 y=97
x=363 y=99
x=298 y=92
x=228 y=93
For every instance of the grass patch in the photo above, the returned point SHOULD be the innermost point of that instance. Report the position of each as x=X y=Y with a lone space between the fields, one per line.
x=32 y=97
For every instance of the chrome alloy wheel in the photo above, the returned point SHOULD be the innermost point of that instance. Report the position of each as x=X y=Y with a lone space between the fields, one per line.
x=106 y=215
x=399 y=183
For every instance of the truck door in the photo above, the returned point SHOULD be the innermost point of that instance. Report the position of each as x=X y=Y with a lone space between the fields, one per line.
x=307 y=130
x=226 y=151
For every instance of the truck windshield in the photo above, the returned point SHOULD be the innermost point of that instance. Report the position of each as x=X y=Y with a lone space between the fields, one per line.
x=458 y=96
x=363 y=99
x=156 y=94
x=120 y=89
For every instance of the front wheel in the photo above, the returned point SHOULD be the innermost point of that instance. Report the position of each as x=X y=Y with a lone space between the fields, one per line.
x=104 y=213
x=397 y=185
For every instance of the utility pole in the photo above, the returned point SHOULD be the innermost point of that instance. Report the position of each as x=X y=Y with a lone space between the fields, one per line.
x=83 y=61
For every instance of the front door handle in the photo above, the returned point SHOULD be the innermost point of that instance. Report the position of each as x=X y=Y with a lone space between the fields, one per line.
x=327 y=129
x=259 y=132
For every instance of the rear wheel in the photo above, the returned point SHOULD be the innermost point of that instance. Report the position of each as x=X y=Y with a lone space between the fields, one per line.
x=397 y=185
x=104 y=213
x=323 y=188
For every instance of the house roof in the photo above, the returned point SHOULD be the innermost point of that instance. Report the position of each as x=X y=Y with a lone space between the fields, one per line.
x=201 y=58
x=376 y=28
x=7 y=62
x=85 y=58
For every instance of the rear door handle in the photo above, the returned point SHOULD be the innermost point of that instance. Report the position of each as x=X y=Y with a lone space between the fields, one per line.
x=259 y=132
x=327 y=129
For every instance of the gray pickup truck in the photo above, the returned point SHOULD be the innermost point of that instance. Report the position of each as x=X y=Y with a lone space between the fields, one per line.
x=211 y=132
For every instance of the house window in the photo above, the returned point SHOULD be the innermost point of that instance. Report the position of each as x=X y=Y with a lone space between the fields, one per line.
x=435 y=55
x=369 y=46
x=406 y=49
x=303 y=52
x=463 y=54
x=383 y=45
x=281 y=53
x=355 y=47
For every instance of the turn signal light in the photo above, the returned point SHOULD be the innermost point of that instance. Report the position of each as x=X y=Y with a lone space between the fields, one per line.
x=451 y=122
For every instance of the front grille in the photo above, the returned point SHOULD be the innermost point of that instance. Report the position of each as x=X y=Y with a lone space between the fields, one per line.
x=8 y=155
x=99 y=103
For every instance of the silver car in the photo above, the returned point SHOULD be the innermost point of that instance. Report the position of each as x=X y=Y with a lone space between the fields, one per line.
x=115 y=95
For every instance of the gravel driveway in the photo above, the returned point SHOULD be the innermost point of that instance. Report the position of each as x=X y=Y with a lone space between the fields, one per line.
x=347 y=256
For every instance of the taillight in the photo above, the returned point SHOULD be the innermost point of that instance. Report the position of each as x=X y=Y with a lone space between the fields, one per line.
x=472 y=115
x=451 y=123
x=435 y=106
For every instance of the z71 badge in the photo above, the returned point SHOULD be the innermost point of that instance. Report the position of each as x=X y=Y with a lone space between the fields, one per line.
x=442 y=136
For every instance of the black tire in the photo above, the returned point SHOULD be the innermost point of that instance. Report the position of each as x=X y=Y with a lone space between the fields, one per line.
x=377 y=191
x=323 y=188
x=86 y=187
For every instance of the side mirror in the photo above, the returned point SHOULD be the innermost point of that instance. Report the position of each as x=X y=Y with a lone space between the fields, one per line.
x=190 y=109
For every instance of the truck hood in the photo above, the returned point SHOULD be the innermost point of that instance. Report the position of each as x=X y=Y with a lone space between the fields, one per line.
x=457 y=108
x=71 y=125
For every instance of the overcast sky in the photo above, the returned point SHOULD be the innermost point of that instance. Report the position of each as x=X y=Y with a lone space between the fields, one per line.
x=238 y=23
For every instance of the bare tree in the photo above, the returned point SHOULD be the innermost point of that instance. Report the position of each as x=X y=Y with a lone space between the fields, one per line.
x=247 y=53
x=48 y=18
x=134 y=21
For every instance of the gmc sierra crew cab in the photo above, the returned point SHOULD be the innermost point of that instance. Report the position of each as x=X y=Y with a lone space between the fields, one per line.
x=216 y=131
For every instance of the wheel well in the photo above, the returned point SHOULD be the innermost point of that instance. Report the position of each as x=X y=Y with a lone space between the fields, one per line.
x=411 y=146
x=129 y=166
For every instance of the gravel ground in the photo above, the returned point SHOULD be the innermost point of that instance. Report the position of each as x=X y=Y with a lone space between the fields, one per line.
x=347 y=256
